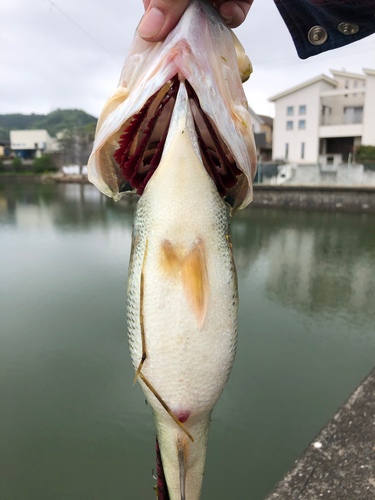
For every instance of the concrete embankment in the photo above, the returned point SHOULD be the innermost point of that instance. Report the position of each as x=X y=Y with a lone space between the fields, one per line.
x=348 y=199
x=43 y=178
x=353 y=199
x=339 y=464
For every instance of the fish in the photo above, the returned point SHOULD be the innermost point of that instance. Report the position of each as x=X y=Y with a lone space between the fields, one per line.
x=177 y=132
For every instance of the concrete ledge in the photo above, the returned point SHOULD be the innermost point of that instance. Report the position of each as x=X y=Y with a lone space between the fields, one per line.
x=339 y=464
x=349 y=199
x=43 y=178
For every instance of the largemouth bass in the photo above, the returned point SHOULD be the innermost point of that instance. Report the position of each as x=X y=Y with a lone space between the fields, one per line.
x=177 y=131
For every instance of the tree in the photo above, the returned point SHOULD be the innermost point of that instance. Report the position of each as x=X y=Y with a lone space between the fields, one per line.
x=16 y=164
x=76 y=144
x=44 y=164
x=366 y=155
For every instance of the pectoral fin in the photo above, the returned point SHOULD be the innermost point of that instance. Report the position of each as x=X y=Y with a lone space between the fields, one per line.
x=195 y=279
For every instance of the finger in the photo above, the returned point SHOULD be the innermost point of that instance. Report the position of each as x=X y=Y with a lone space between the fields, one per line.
x=160 y=18
x=234 y=13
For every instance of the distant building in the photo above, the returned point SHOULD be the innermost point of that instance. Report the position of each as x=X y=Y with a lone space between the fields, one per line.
x=4 y=149
x=29 y=144
x=324 y=119
x=262 y=128
x=264 y=137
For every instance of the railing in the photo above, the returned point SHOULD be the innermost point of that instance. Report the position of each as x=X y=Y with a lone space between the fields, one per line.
x=341 y=119
x=318 y=174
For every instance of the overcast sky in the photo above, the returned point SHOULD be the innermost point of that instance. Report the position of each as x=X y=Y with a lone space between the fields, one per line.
x=69 y=53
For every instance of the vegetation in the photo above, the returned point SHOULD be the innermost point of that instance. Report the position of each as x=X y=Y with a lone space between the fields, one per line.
x=76 y=144
x=365 y=153
x=4 y=134
x=44 y=164
x=54 y=122
x=16 y=164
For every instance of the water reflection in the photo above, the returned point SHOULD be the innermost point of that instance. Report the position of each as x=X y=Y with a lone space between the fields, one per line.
x=68 y=206
x=312 y=261
x=71 y=418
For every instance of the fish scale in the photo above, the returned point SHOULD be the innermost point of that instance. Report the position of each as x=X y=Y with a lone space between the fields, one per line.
x=187 y=365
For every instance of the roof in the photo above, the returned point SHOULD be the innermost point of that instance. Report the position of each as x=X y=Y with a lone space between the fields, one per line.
x=335 y=72
x=254 y=115
x=303 y=85
x=369 y=71
x=268 y=120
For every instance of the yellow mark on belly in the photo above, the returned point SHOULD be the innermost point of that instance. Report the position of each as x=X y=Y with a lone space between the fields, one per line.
x=191 y=266
x=195 y=279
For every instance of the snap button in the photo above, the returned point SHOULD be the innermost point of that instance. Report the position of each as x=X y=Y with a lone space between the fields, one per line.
x=348 y=28
x=317 y=35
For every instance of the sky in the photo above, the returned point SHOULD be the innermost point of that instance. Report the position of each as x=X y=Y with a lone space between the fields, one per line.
x=68 y=54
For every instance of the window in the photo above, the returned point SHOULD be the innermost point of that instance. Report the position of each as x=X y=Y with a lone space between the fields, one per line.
x=289 y=110
x=286 y=150
x=346 y=84
x=302 y=109
x=302 y=124
x=355 y=84
x=302 y=150
x=353 y=114
x=289 y=125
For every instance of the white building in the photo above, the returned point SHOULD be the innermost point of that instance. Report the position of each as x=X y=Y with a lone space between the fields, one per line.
x=324 y=119
x=32 y=143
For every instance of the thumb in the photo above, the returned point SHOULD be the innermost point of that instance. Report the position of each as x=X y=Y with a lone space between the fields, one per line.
x=160 y=18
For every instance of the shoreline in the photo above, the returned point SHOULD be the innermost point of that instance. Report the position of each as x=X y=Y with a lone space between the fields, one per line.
x=359 y=199
x=338 y=464
x=328 y=198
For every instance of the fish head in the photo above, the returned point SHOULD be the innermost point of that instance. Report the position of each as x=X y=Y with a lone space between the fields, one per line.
x=133 y=127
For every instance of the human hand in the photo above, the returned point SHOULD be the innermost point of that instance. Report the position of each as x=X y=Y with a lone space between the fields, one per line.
x=162 y=15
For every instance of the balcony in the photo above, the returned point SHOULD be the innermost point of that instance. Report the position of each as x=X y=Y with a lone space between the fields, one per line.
x=345 y=124
x=350 y=116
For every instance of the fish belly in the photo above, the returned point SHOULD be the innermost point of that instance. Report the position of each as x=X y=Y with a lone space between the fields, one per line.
x=182 y=292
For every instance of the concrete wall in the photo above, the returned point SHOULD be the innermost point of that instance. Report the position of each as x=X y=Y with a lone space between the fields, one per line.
x=368 y=137
x=315 y=198
x=338 y=464
x=331 y=175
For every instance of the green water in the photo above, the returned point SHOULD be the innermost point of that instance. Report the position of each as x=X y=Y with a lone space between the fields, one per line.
x=73 y=427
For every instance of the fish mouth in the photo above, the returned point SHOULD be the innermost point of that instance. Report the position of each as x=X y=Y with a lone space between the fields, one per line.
x=132 y=129
x=141 y=145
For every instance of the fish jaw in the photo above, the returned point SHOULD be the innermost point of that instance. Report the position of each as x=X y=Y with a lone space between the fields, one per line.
x=201 y=50
x=190 y=347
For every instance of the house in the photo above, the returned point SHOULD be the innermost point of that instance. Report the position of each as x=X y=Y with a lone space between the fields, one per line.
x=262 y=129
x=324 y=119
x=29 y=144
x=4 y=149
x=264 y=139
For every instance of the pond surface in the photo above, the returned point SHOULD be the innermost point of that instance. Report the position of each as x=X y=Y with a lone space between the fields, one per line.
x=73 y=427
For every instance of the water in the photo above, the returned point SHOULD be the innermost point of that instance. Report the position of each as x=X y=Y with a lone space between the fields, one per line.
x=73 y=427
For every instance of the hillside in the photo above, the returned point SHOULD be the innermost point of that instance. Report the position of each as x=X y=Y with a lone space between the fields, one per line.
x=54 y=122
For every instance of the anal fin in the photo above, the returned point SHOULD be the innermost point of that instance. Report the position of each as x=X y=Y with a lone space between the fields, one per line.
x=182 y=446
